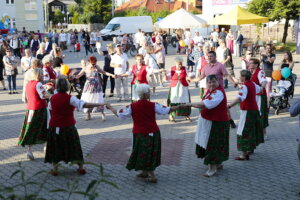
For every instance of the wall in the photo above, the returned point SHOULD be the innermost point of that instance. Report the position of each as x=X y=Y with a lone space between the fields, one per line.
x=274 y=33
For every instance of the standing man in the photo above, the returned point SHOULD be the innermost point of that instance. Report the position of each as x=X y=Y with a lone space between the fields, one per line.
x=119 y=62
x=222 y=34
x=215 y=38
x=63 y=40
x=15 y=44
x=239 y=41
x=218 y=69
x=159 y=52
x=198 y=38
x=48 y=45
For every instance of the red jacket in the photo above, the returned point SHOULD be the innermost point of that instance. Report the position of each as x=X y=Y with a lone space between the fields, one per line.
x=51 y=72
x=140 y=75
x=62 y=113
x=33 y=98
x=181 y=77
x=219 y=113
x=250 y=102
x=143 y=115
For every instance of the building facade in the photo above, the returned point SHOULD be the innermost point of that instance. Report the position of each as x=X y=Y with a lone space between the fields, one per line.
x=24 y=13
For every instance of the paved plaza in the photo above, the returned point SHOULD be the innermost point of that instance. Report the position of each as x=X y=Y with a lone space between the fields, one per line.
x=273 y=172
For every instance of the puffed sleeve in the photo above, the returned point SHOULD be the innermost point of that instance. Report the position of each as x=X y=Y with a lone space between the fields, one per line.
x=242 y=93
x=41 y=90
x=214 y=100
x=77 y=103
x=161 y=110
x=46 y=75
x=261 y=77
x=124 y=112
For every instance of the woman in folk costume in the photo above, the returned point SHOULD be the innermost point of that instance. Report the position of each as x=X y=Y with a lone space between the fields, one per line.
x=212 y=133
x=34 y=129
x=179 y=92
x=139 y=71
x=63 y=143
x=259 y=78
x=249 y=118
x=48 y=71
x=93 y=89
x=146 y=150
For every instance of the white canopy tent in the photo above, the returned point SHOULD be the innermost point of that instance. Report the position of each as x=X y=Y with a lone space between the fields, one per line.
x=181 y=19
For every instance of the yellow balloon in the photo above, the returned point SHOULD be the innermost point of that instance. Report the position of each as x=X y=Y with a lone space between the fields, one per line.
x=64 y=69
x=181 y=43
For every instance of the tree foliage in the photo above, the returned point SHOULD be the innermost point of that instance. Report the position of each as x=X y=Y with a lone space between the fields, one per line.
x=58 y=17
x=276 y=10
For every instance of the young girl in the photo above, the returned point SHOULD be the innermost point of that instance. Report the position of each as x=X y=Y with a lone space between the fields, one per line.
x=63 y=143
x=146 y=150
x=249 y=119
x=77 y=48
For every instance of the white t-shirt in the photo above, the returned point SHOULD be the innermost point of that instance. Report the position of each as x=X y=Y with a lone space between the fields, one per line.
x=220 y=54
x=151 y=62
x=120 y=60
x=62 y=37
x=26 y=61
x=215 y=36
x=198 y=39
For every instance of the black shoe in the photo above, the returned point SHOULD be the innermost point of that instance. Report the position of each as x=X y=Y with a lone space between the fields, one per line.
x=103 y=95
x=10 y=93
x=111 y=95
x=232 y=124
x=4 y=88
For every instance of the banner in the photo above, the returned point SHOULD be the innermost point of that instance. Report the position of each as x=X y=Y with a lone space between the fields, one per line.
x=239 y=1
x=221 y=2
x=298 y=37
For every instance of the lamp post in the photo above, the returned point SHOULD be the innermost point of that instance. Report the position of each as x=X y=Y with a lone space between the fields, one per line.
x=68 y=17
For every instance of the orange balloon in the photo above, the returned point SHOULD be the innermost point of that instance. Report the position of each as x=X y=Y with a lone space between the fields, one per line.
x=276 y=75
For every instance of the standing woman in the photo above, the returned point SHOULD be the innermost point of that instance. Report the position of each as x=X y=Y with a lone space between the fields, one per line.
x=212 y=133
x=2 y=54
x=34 y=129
x=63 y=143
x=27 y=77
x=151 y=63
x=49 y=73
x=259 y=78
x=146 y=149
x=249 y=115
x=230 y=41
x=26 y=60
x=179 y=92
x=93 y=89
x=11 y=71
x=107 y=68
x=287 y=61
x=34 y=44
x=268 y=59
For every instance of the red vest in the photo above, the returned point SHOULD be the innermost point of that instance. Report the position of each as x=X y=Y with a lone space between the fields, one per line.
x=33 y=98
x=250 y=102
x=62 y=113
x=181 y=77
x=219 y=113
x=143 y=115
x=254 y=78
x=140 y=75
x=51 y=72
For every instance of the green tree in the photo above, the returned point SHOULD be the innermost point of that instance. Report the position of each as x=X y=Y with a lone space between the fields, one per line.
x=97 y=11
x=276 y=10
x=58 y=17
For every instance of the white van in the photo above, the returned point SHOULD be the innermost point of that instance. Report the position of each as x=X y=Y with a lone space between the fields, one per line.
x=120 y=25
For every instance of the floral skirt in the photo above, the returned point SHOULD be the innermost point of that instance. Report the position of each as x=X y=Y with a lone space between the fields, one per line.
x=248 y=141
x=217 y=150
x=179 y=112
x=64 y=146
x=34 y=129
x=146 y=152
x=264 y=111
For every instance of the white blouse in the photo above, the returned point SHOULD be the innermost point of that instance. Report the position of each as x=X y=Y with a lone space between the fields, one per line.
x=213 y=100
x=261 y=76
x=127 y=112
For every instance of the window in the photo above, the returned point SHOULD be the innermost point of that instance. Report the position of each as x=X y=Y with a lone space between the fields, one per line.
x=53 y=8
x=30 y=4
x=10 y=1
x=32 y=16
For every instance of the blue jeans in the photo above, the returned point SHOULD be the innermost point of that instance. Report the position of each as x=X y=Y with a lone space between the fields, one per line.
x=12 y=78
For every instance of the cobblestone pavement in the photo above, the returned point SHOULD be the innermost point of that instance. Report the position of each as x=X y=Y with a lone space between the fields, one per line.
x=272 y=172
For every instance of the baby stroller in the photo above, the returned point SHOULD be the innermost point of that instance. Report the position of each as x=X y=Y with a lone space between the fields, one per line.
x=76 y=84
x=279 y=98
